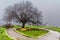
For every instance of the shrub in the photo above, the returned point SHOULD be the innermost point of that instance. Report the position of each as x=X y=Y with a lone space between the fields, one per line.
x=8 y=26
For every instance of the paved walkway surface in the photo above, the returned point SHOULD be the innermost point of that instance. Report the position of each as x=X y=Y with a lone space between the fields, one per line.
x=17 y=36
x=51 y=36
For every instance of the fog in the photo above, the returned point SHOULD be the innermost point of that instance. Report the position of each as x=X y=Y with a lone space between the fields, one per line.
x=50 y=10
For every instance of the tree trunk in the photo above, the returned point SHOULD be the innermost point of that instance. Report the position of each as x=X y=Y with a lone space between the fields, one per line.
x=23 y=25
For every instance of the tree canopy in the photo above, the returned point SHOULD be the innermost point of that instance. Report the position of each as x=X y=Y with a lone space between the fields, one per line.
x=23 y=12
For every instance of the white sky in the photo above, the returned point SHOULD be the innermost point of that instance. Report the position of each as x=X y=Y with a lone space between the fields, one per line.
x=50 y=9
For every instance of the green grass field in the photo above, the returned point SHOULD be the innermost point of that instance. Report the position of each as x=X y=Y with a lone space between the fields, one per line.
x=33 y=33
x=29 y=33
x=47 y=27
x=3 y=36
x=31 y=26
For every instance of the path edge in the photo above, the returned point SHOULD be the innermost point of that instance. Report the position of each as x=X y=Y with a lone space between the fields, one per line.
x=8 y=34
x=31 y=37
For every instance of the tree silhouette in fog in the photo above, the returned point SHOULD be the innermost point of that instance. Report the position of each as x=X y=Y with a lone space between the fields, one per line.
x=23 y=12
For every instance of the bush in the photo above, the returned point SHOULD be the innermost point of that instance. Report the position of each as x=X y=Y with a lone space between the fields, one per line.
x=8 y=26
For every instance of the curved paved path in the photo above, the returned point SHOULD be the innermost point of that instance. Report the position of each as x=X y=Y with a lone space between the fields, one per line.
x=51 y=36
x=17 y=36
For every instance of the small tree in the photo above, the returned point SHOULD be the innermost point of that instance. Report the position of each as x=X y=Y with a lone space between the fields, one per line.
x=23 y=12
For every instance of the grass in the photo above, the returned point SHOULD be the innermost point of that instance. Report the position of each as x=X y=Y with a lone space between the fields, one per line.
x=33 y=33
x=16 y=26
x=47 y=27
x=31 y=26
x=28 y=33
x=55 y=29
x=3 y=36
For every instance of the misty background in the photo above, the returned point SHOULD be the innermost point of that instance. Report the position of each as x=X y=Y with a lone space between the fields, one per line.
x=50 y=10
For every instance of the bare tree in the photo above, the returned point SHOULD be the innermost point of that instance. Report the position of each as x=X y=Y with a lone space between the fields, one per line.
x=23 y=12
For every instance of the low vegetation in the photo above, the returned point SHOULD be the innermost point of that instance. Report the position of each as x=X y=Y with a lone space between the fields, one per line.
x=46 y=27
x=8 y=26
x=3 y=36
x=29 y=31
x=33 y=33
x=55 y=29
x=31 y=26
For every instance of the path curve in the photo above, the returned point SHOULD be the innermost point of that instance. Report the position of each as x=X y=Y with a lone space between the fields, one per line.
x=51 y=36
x=11 y=32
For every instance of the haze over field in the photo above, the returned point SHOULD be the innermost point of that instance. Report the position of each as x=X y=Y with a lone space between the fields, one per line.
x=50 y=9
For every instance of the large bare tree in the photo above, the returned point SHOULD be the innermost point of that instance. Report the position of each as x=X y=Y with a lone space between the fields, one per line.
x=23 y=12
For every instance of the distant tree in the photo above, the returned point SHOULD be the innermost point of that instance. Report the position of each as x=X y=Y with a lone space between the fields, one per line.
x=23 y=12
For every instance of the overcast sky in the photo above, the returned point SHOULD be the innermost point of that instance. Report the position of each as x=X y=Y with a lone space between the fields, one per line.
x=50 y=9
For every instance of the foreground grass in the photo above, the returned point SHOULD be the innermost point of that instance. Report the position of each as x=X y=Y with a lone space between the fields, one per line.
x=33 y=33
x=3 y=36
